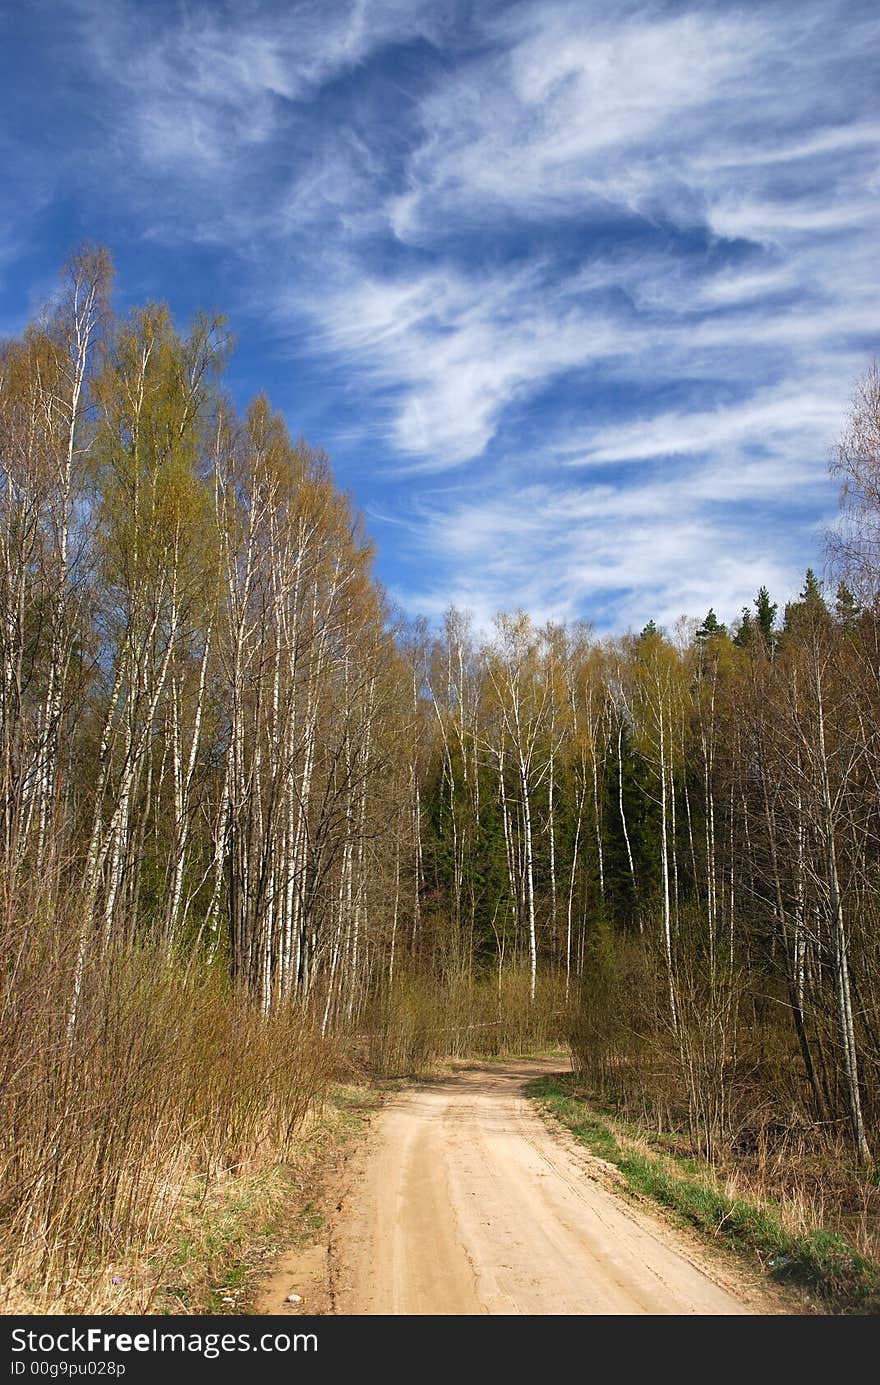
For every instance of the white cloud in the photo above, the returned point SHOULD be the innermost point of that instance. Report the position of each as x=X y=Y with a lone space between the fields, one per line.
x=760 y=421
x=578 y=113
x=663 y=548
x=689 y=192
x=460 y=348
x=710 y=119
x=203 y=85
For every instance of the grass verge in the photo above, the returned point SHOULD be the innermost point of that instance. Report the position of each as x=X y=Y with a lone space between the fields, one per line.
x=223 y=1242
x=822 y=1262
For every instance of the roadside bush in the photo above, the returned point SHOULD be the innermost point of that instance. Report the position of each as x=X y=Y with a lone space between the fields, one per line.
x=163 y=1081
x=419 y=1020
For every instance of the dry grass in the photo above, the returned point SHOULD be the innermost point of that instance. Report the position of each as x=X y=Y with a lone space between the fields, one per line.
x=725 y=1093
x=422 y=1020
x=166 y=1091
x=144 y=1145
x=790 y=1238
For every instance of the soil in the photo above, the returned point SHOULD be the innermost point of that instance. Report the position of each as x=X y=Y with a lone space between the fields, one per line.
x=462 y=1200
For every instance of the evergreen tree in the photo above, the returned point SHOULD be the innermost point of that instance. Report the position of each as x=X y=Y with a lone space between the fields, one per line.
x=641 y=813
x=812 y=591
x=846 y=608
x=649 y=630
x=765 y=610
x=809 y=605
x=712 y=628
x=745 y=633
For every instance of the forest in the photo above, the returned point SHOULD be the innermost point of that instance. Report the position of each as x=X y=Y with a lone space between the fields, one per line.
x=258 y=826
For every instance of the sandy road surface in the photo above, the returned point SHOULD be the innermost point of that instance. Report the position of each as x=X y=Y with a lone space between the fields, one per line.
x=463 y=1202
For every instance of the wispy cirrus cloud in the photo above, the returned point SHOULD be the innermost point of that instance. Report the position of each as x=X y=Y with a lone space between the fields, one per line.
x=763 y=419
x=203 y=83
x=677 y=542
x=455 y=349
x=651 y=127
x=584 y=287
x=539 y=125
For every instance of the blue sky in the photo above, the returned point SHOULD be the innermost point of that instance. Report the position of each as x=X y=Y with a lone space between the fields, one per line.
x=574 y=294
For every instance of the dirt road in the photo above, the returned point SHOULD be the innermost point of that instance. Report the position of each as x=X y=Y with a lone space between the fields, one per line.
x=463 y=1202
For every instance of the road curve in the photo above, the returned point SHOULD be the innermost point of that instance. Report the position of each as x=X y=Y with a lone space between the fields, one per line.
x=464 y=1203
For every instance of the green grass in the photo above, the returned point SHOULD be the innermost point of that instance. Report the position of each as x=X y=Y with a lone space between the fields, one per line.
x=229 y=1237
x=822 y=1262
x=206 y=1268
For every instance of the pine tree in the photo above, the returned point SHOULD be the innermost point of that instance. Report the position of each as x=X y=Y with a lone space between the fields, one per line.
x=712 y=628
x=745 y=633
x=812 y=588
x=846 y=608
x=809 y=605
x=766 y=615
